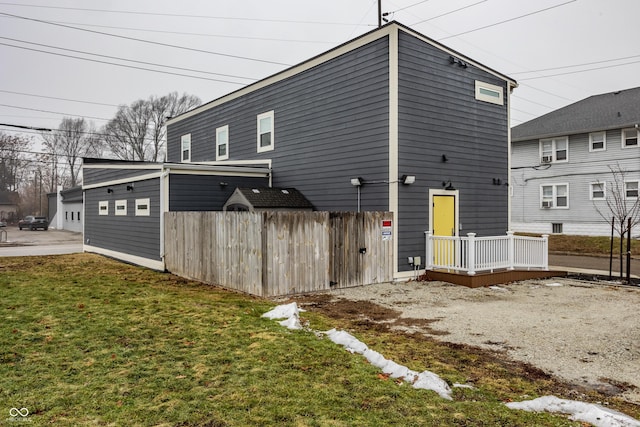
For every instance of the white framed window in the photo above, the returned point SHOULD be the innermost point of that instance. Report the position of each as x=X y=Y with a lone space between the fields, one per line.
x=631 y=189
x=185 y=148
x=103 y=208
x=598 y=141
x=265 y=132
x=489 y=93
x=629 y=138
x=222 y=143
x=142 y=207
x=554 y=196
x=597 y=191
x=121 y=208
x=554 y=150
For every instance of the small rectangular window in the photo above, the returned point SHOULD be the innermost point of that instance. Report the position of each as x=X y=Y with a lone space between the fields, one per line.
x=185 y=144
x=554 y=150
x=265 y=132
x=71 y=215
x=598 y=141
x=629 y=138
x=556 y=228
x=121 y=207
x=78 y=215
x=598 y=191
x=631 y=189
x=489 y=93
x=103 y=208
x=554 y=196
x=142 y=207
x=222 y=143
x=66 y=216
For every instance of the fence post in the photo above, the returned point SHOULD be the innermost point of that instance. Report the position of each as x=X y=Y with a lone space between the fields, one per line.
x=471 y=254
x=545 y=251
x=512 y=251
x=428 y=252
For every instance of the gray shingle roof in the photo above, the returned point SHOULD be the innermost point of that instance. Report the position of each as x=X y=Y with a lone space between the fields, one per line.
x=613 y=110
x=264 y=197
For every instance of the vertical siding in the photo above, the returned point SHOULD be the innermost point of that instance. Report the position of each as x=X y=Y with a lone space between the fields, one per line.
x=439 y=115
x=130 y=234
x=325 y=118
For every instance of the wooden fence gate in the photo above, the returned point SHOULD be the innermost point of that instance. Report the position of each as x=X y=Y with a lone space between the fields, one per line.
x=280 y=253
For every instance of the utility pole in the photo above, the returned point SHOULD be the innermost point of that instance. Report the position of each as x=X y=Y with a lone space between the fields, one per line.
x=379 y=13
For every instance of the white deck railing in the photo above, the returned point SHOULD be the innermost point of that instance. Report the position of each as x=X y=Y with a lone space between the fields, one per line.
x=472 y=254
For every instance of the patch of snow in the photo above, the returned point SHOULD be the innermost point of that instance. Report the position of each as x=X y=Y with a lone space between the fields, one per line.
x=423 y=380
x=289 y=312
x=554 y=284
x=578 y=411
x=497 y=288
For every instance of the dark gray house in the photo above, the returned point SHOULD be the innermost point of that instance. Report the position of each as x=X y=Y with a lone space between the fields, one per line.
x=390 y=121
x=124 y=202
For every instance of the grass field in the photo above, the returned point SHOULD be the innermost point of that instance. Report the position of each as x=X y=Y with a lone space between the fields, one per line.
x=591 y=245
x=85 y=340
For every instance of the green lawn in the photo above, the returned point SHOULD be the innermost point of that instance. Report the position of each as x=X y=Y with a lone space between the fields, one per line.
x=86 y=340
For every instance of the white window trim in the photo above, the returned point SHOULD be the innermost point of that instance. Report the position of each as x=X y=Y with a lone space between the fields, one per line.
x=270 y=147
x=554 y=149
x=481 y=93
x=622 y=138
x=554 y=196
x=604 y=190
x=604 y=141
x=185 y=139
x=143 y=202
x=103 y=204
x=220 y=130
x=118 y=205
x=637 y=188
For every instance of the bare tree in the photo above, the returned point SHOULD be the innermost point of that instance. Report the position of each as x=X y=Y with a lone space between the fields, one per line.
x=620 y=205
x=137 y=131
x=74 y=139
x=13 y=161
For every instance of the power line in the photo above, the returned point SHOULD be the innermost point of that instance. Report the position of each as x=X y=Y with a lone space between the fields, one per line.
x=124 y=59
x=56 y=98
x=580 y=71
x=449 y=13
x=144 y=41
x=228 y=18
x=53 y=112
x=411 y=5
x=120 y=65
x=509 y=20
x=577 y=65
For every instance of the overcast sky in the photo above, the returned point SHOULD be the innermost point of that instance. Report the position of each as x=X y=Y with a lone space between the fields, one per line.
x=546 y=45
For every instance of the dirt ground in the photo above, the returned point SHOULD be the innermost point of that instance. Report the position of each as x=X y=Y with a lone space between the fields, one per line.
x=585 y=333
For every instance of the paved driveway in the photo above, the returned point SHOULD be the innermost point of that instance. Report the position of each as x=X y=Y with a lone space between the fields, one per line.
x=39 y=242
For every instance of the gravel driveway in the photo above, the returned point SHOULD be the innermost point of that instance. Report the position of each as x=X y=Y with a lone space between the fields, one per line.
x=586 y=333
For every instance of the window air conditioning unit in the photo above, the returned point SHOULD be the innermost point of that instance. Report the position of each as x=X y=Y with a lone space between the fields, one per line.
x=547 y=204
x=547 y=159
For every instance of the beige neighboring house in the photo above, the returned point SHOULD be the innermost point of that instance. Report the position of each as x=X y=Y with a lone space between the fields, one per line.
x=9 y=206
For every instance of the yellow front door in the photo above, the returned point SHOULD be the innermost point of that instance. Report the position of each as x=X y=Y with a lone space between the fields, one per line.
x=444 y=224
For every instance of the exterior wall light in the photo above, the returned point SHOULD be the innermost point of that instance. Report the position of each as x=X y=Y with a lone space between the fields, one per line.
x=357 y=181
x=109 y=190
x=408 y=179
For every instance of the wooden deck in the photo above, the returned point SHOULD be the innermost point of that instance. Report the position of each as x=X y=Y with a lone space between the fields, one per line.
x=490 y=279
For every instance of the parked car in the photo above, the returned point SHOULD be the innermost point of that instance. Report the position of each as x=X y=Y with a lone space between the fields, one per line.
x=33 y=222
x=3 y=224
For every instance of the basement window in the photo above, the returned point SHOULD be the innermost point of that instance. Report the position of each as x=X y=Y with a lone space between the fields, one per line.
x=556 y=228
x=489 y=93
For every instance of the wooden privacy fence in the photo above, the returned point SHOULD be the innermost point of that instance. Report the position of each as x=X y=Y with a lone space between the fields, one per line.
x=280 y=253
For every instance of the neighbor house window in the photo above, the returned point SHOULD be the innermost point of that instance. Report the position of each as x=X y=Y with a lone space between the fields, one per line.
x=598 y=191
x=222 y=143
x=66 y=216
x=78 y=215
x=598 y=141
x=629 y=138
x=554 y=150
x=185 y=144
x=489 y=93
x=142 y=207
x=121 y=207
x=554 y=196
x=265 y=132
x=631 y=189
x=103 y=208
x=556 y=228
